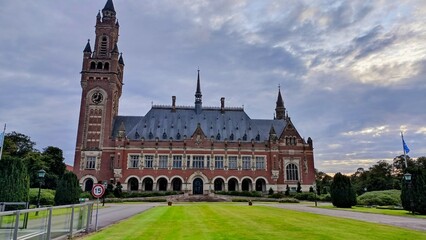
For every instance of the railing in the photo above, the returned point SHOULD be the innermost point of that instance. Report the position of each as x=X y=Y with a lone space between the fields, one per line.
x=46 y=223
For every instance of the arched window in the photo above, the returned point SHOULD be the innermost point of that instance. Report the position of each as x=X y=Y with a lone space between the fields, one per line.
x=231 y=137
x=292 y=172
x=164 y=135
x=106 y=66
x=99 y=65
x=245 y=137
x=103 y=46
x=218 y=136
x=92 y=65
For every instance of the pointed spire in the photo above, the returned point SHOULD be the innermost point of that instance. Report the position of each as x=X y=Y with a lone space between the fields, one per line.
x=87 y=49
x=198 y=95
x=109 y=6
x=120 y=60
x=279 y=109
x=99 y=14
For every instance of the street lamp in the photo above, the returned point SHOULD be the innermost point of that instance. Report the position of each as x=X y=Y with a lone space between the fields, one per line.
x=40 y=173
x=314 y=186
x=407 y=178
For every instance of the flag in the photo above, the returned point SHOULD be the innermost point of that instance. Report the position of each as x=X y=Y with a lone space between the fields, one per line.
x=406 y=149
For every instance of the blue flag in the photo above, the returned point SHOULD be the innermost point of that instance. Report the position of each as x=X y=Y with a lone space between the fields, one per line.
x=406 y=149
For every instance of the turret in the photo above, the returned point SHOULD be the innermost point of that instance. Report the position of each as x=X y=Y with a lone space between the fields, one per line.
x=279 y=109
x=198 y=96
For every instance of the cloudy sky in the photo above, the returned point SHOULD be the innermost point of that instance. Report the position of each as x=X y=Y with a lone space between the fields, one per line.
x=351 y=72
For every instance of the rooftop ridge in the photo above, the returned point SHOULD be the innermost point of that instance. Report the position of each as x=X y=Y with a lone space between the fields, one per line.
x=160 y=106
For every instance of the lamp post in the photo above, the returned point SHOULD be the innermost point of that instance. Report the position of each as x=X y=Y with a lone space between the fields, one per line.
x=40 y=173
x=407 y=178
x=314 y=186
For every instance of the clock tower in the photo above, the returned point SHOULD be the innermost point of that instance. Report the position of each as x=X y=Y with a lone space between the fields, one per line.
x=101 y=83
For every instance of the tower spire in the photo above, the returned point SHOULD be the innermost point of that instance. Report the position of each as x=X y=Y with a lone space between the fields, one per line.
x=198 y=95
x=279 y=109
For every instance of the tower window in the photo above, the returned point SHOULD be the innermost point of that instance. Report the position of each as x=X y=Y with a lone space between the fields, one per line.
x=103 y=47
x=106 y=66
x=99 y=65
x=92 y=65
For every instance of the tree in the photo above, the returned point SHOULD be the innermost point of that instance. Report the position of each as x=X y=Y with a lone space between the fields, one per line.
x=299 y=188
x=342 y=193
x=118 y=190
x=18 y=145
x=416 y=190
x=323 y=181
x=14 y=180
x=68 y=190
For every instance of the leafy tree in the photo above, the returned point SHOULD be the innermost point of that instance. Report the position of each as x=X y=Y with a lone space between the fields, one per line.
x=323 y=181
x=14 y=180
x=68 y=191
x=18 y=145
x=287 y=191
x=299 y=188
x=416 y=190
x=342 y=193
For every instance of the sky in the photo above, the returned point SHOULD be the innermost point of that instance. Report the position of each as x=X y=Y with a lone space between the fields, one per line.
x=351 y=72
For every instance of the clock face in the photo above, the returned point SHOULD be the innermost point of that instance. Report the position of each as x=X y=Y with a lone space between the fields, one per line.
x=97 y=97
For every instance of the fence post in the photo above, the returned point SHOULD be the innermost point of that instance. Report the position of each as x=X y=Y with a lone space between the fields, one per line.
x=72 y=221
x=15 y=231
x=89 y=216
x=49 y=224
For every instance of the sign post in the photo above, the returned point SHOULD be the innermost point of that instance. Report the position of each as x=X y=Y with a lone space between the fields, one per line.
x=98 y=191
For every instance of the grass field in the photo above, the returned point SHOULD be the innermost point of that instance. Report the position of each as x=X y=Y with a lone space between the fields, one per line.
x=393 y=212
x=236 y=221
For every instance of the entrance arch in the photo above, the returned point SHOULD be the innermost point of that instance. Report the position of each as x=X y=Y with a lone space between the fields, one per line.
x=147 y=184
x=260 y=185
x=232 y=184
x=177 y=184
x=133 y=184
x=88 y=185
x=246 y=185
x=219 y=184
x=162 y=184
x=197 y=186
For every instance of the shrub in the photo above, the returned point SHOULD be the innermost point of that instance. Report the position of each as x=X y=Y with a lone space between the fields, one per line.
x=324 y=197
x=244 y=193
x=47 y=196
x=277 y=195
x=118 y=192
x=86 y=195
x=14 y=180
x=299 y=187
x=342 y=192
x=271 y=191
x=305 y=196
x=289 y=200
x=287 y=191
x=380 y=198
x=68 y=191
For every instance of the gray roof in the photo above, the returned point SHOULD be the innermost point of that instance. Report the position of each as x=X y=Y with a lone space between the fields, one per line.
x=163 y=123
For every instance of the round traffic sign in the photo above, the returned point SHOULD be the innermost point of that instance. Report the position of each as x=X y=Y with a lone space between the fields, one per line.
x=98 y=190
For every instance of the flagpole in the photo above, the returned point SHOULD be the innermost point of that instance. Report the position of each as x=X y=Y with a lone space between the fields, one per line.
x=2 y=141
x=403 y=149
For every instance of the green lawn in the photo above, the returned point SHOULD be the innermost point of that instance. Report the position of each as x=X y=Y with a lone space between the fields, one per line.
x=393 y=212
x=237 y=221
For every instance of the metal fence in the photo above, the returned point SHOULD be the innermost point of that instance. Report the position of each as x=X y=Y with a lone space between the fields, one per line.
x=46 y=223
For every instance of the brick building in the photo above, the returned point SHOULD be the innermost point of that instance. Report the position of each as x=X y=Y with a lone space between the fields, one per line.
x=194 y=149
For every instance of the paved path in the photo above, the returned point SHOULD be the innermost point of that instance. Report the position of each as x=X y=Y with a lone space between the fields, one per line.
x=405 y=222
x=113 y=213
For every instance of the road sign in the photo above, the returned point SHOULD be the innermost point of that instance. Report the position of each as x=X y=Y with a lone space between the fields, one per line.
x=98 y=190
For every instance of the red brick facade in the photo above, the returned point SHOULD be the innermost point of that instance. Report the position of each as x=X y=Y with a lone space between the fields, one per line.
x=194 y=149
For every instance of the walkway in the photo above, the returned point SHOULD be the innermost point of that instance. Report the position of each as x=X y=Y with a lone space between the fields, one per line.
x=405 y=222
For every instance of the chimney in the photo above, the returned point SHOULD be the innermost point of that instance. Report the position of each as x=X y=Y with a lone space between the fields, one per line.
x=173 y=103
x=222 y=104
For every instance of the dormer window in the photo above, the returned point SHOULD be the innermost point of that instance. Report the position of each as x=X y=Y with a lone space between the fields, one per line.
x=103 y=46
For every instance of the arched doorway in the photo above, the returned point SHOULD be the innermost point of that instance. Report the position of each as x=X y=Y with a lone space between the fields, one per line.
x=197 y=186
x=246 y=185
x=88 y=185
x=260 y=185
x=177 y=184
x=232 y=184
x=218 y=184
x=133 y=184
x=162 y=184
x=147 y=183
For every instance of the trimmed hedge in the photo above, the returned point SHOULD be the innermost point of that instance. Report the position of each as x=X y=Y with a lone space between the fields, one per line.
x=244 y=193
x=47 y=196
x=380 y=198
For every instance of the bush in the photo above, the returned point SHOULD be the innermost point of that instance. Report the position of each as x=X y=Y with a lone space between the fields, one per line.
x=289 y=200
x=380 y=198
x=271 y=191
x=68 y=191
x=287 y=191
x=417 y=192
x=244 y=193
x=324 y=197
x=305 y=196
x=47 y=196
x=342 y=192
x=277 y=195
x=14 y=180
x=86 y=195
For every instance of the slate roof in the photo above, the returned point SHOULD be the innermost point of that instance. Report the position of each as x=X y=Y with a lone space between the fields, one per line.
x=109 y=5
x=163 y=123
